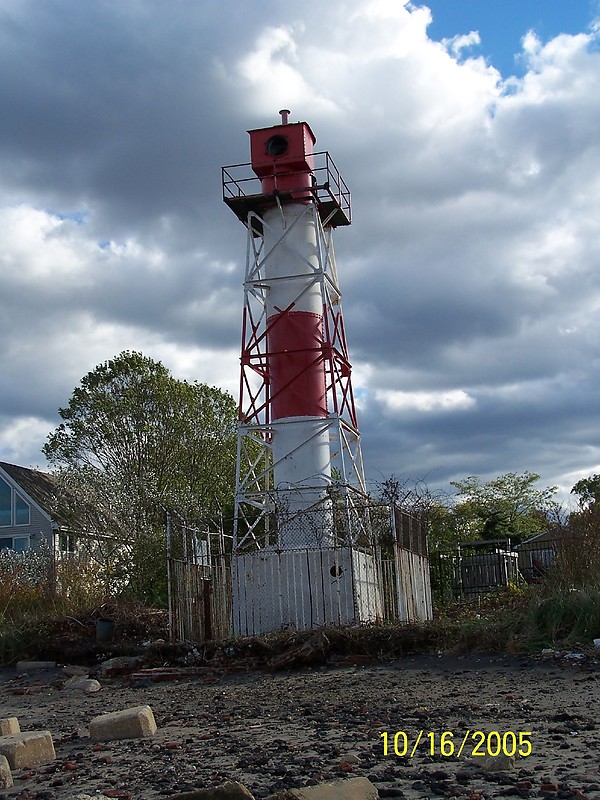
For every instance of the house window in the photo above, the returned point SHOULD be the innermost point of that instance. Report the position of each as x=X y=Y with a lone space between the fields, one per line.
x=22 y=515
x=66 y=543
x=5 y=504
x=17 y=543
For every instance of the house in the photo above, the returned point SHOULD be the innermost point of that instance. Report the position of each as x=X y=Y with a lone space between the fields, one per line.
x=26 y=520
x=538 y=553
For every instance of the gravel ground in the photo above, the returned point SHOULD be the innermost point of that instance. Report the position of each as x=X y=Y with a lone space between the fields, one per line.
x=279 y=730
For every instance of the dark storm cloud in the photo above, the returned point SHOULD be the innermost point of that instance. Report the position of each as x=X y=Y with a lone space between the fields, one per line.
x=469 y=274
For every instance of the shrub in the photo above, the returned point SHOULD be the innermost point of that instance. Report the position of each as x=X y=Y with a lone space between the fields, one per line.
x=25 y=587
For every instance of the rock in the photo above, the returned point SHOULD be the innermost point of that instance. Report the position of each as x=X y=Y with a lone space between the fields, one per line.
x=84 y=684
x=27 y=750
x=122 y=665
x=91 y=686
x=83 y=797
x=227 y=791
x=131 y=723
x=6 y=780
x=498 y=763
x=9 y=725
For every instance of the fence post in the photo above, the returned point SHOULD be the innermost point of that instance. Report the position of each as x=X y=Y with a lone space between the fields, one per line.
x=169 y=586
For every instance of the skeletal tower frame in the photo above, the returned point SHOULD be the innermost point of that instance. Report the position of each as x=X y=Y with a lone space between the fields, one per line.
x=336 y=491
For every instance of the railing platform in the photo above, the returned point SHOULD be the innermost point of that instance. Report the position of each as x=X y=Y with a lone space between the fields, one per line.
x=242 y=192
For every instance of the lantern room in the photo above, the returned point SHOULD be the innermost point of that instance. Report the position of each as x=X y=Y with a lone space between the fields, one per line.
x=282 y=157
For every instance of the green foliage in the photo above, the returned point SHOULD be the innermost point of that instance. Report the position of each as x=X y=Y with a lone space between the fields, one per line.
x=135 y=440
x=148 y=577
x=588 y=490
x=448 y=525
x=508 y=506
x=160 y=439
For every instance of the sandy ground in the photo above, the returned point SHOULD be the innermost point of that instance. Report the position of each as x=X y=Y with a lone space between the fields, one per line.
x=274 y=731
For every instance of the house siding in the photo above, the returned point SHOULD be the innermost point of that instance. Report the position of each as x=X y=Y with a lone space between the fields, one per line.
x=38 y=530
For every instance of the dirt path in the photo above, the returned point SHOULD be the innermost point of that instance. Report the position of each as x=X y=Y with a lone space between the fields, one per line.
x=274 y=731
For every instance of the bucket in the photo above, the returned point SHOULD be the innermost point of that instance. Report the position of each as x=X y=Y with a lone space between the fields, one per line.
x=105 y=630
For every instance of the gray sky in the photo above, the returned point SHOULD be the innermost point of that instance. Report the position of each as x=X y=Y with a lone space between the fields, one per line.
x=470 y=273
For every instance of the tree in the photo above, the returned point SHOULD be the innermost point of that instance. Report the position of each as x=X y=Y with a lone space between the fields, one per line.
x=507 y=506
x=450 y=523
x=588 y=490
x=167 y=441
x=135 y=440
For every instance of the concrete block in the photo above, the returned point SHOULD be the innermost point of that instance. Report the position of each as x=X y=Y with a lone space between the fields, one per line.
x=231 y=790
x=353 y=789
x=31 y=666
x=27 y=750
x=131 y=723
x=6 y=780
x=9 y=725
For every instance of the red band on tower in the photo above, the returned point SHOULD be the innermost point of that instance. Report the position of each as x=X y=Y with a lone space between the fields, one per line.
x=296 y=366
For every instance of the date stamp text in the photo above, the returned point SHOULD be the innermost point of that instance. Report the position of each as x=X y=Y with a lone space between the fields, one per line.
x=449 y=744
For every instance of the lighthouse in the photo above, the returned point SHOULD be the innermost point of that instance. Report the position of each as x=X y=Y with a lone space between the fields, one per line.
x=302 y=551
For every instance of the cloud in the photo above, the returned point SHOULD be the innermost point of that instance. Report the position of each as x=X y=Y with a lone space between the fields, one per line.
x=470 y=279
x=424 y=401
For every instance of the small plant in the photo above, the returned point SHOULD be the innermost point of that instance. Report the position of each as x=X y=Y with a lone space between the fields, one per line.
x=567 y=617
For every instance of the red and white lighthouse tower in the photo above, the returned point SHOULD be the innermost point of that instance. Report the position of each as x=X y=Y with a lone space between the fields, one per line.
x=301 y=525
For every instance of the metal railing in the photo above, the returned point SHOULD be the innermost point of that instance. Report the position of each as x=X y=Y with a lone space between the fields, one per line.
x=329 y=190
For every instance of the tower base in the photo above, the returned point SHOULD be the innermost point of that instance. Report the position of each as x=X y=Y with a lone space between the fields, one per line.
x=275 y=590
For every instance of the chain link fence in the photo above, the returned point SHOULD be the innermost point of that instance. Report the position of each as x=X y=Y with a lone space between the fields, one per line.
x=341 y=565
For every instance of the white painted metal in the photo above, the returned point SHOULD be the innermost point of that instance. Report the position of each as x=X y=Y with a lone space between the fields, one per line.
x=292 y=261
x=301 y=589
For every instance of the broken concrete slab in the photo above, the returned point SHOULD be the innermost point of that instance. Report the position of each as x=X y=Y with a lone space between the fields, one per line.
x=9 y=725
x=131 y=723
x=27 y=750
x=32 y=666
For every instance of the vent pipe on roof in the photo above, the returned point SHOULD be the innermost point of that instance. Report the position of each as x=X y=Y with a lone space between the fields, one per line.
x=285 y=113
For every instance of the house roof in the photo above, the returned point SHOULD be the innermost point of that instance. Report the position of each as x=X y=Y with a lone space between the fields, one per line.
x=40 y=486
x=552 y=534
